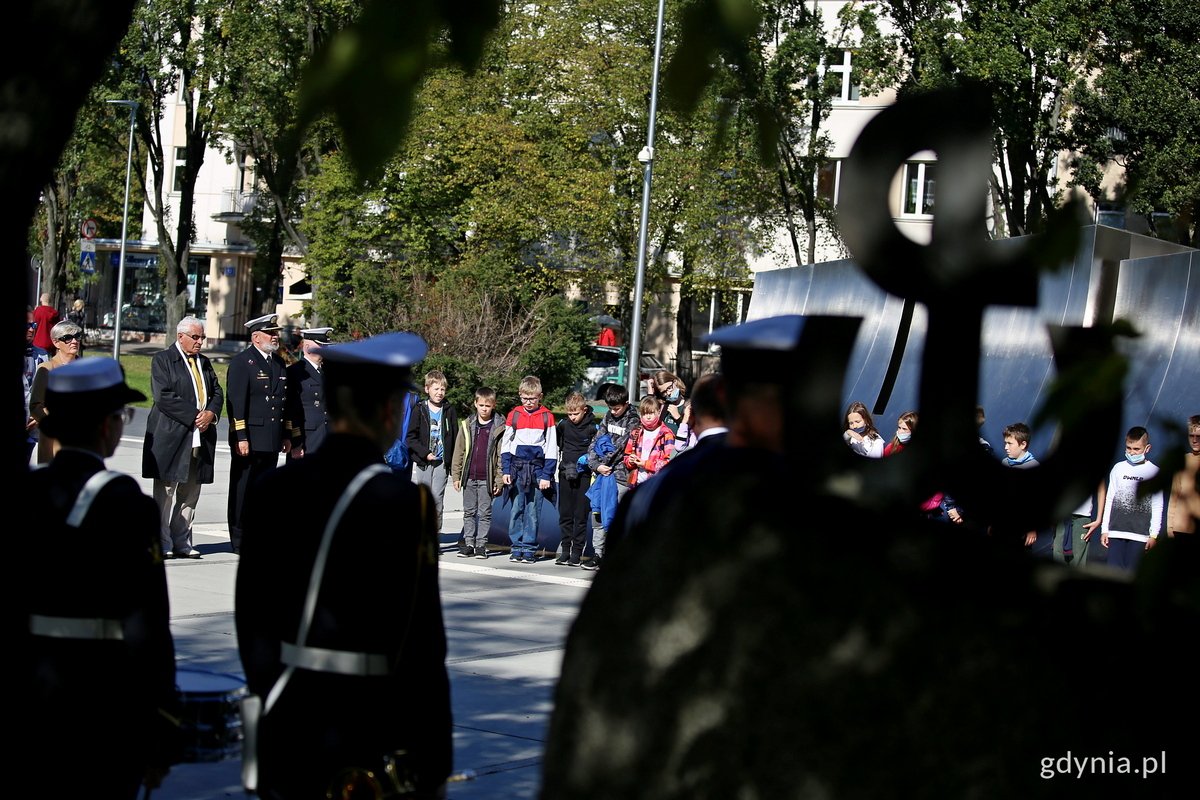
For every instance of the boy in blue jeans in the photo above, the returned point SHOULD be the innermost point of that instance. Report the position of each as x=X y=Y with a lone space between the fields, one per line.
x=528 y=457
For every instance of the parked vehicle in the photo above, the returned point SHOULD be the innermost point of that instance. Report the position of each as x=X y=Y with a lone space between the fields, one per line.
x=608 y=366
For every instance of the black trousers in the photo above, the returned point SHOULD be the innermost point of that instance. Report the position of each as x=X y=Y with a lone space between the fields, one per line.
x=574 y=512
x=243 y=472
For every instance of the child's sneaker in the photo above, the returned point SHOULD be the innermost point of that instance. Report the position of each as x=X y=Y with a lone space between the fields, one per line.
x=465 y=552
x=481 y=552
x=573 y=561
x=562 y=560
x=592 y=563
x=515 y=557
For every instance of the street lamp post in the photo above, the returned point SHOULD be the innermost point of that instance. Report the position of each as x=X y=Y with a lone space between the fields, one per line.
x=132 y=106
x=646 y=156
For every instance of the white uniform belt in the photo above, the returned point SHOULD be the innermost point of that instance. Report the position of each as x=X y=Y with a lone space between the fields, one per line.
x=343 y=662
x=75 y=628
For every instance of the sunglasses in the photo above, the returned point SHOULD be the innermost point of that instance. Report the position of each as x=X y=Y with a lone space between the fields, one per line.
x=196 y=338
x=70 y=337
x=33 y=326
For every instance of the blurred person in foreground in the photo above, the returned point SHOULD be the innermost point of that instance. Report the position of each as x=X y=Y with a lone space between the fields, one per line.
x=97 y=661
x=339 y=622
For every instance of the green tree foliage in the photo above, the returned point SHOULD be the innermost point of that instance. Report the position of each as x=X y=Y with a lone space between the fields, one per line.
x=88 y=182
x=1027 y=54
x=796 y=46
x=1139 y=108
x=173 y=62
x=522 y=176
x=270 y=45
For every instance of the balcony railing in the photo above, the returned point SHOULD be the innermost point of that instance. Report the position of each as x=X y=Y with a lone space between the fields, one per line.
x=236 y=204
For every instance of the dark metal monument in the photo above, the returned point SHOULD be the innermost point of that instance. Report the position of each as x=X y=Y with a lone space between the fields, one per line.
x=787 y=625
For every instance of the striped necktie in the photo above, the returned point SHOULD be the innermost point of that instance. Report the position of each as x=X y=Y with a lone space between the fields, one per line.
x=201 y=395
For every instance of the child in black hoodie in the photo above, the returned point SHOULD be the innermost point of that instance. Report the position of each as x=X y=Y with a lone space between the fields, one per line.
x=575 y=432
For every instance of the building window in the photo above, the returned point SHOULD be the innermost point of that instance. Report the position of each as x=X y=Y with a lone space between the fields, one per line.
x=919 y=185
x=180 y=166
x=829 y=181
x=848 y=90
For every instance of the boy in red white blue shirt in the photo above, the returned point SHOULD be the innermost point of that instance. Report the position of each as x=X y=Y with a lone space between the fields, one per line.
x=528 y=458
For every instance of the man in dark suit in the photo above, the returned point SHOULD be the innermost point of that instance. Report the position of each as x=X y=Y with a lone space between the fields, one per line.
x=95 y=658
x=339 y=622
x=306 y=408
x=181 y=434
x=257 y=391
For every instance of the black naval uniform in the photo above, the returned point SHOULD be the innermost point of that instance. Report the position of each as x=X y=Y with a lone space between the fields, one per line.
x=378 y=602
x=306 y=405
x=97 y=658
x=255 y=398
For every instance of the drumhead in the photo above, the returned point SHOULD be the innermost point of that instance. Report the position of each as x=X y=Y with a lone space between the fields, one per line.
x=197 y=681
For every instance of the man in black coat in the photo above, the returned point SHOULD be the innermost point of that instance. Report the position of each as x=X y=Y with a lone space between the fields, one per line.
x=339 y=622
x=181 y=434
x=257 y=392
x=95 y=685
x=306 y=408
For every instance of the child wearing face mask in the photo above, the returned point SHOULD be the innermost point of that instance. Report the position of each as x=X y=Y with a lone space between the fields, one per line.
x=1131 y=522
x=651 y=446
x=905 y=425
x=670 y=390
x=860 y=433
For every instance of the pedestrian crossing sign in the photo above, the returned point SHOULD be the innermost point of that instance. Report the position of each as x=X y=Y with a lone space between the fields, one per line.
x=87 y=262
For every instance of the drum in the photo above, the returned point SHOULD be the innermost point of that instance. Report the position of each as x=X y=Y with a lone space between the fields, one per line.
x=210 y=716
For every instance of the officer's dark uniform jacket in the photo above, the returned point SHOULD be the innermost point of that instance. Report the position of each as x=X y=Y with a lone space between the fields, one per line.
x=256 y=392
x=378 y=599
x=306 y=405
x=97 y=662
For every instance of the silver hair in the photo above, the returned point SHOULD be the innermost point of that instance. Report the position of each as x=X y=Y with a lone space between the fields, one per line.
x=64 y=328
x=188 y=322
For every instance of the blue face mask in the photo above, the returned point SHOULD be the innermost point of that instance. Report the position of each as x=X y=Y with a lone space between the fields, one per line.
x=1139 y=458
x=858 y=428
x=903 y=436
x=673 y=397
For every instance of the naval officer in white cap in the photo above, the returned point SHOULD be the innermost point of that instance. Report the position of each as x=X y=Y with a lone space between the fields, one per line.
x=307 y=412
x=338 y=618
x=258 y=428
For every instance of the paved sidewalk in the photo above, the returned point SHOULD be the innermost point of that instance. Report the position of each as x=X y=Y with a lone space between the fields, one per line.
x=506 y=625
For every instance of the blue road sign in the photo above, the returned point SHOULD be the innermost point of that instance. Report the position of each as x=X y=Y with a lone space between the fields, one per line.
x=87 y=262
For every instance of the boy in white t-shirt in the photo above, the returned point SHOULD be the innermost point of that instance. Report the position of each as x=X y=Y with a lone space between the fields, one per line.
x=1132 y=520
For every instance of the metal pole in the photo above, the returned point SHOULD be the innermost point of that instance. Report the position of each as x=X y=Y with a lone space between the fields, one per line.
x=646 y=156
x=132 y=106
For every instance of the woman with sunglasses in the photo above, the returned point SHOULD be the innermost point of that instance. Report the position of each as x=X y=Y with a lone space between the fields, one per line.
x=67 y=338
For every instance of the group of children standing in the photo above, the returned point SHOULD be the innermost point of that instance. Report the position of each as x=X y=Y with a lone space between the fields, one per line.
x=1130 y=520
x=519 y=454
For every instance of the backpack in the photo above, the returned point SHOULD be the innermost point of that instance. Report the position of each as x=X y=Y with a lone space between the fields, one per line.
x=397 y=456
